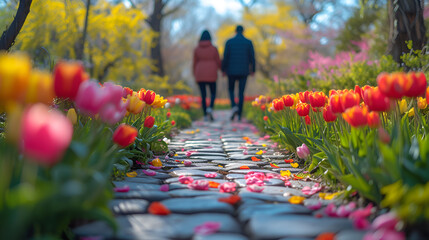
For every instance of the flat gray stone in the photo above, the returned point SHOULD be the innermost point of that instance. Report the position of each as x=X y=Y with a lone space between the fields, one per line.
x=130 y=206
x=292 y=170
x=235 y=166
x=137 y=186
x=241 y=157
x=209 y=158
x=276 y=190
x=268 y=210
x=245 y=171
x=188 y=172
x=350 y=235
x=234 y=176
x=197 y=205
x=212 y=168
x=207 y=154
x=147 y=195
x=260 y=196
x=149 y=180
x=147 y=226
x=176 y=179
x=196 y=193
x=220 y=236
x=159 y=175
x=269 y=182
x=294 y=226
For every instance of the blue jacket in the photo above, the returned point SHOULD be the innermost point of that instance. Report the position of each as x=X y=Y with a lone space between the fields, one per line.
x=238 y=57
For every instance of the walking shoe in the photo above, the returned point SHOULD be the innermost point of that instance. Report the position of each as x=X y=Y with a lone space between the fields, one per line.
x=206 y=118
x=234 y=112
x=210 y=114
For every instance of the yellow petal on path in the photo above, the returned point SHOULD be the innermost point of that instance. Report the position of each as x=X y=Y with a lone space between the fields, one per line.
x=295 y=165
x=260 y=152
x=132 y=174
x=285 y=173
x=264 y=145
x=296 y=199
x=328 y=196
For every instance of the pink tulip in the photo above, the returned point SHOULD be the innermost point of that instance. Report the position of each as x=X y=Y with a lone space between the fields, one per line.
x=185 y=179
x=331 y=210
x=303 y=151
x=346 y=210
x=385 y=221
x=361 y=212
x=199 y=185
x=227 y=187
x=45 y=134
x=89 y=98
x=311 y=191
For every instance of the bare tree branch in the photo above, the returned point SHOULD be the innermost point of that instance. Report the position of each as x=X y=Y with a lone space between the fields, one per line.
x=8 y=37
x=174 y=9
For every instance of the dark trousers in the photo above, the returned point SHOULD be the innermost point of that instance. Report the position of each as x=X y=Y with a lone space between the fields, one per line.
x=212 y=86
x=241 y=86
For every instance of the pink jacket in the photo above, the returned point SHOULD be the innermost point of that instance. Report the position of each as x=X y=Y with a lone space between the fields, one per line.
x=206 y=62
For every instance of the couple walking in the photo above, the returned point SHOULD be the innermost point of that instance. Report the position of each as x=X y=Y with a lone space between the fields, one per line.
x=238 y=62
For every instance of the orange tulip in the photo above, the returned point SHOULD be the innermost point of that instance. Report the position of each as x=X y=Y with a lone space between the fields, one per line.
x=328 y=115
x=416 y=83
x=356 y=116
x=335 y=104
x=376 y=100
x=304 y=96
x=124 y=135
x=373 y=120
x=317 y=99
x=303 y=109
x=427 y=95
x=67 y=78
x=393 y=85
x=40 y=88
x=349 y=99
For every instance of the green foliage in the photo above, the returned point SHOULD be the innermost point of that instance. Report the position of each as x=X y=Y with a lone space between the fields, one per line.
x=183 y=120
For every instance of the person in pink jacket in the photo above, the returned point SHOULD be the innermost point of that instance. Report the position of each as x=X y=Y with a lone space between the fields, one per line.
x=206 y=64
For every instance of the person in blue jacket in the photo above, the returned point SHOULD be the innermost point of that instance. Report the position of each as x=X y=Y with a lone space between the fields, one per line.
x=238 y=62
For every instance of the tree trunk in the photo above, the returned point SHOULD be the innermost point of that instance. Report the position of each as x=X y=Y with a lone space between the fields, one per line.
x=155 y=23
x=406 y=23
x=80 y=46
x=8 y=37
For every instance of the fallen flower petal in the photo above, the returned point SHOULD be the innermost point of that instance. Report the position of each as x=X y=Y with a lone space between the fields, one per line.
x=385 y=221
x=286 y=173
x=122 y=189
x=273 y=165
x=154 y=168
x=158 y=208
x=185 y=179
x=207 y=228
x=326 y=236
x=164 y=188
x=131 y=174
x=331 y=210
x=227 y=187
x=233 y=199
x=187 y=163
x=294 y=165
x=213 y=184
x=260 y=152
x=361 y=223
x=296 y=199
x=149 y=172
x=210 y=175
x=287 y=183
x=244 y=167
x=384 y=234
x=316 y=206
x=201 y=185
x=288 y=160
x=255 y=159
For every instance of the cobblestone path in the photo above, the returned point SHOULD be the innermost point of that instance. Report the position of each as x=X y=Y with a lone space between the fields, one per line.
x=218 y=147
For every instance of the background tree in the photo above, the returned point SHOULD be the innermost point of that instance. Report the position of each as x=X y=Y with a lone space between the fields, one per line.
x=9 y=35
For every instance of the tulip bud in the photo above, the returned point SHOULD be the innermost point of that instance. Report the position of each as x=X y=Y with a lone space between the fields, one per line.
x=72 y=116
x=124 y=135
x=421 y=103
x=173 y=122
x=168 y=114
x=149 y=122
x=303 y=151
x=265 y=118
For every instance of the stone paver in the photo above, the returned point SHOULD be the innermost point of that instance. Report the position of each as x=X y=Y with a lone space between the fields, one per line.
x=220 y=147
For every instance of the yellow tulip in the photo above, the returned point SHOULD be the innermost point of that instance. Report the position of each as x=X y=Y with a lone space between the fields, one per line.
x=14 y=75
x=411 y=112
x=403 y=106
x=72 y=116
x=135 y=105
x=422 y=103
x=40 y=88
x=159 y=102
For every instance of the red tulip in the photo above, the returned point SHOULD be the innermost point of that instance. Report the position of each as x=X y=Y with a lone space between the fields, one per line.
x=265 y=118
x=304 y=96
x=127 y=91
x=376 y=100
x=317 y=99
x=373 y=120
x=359 y=91
x=45 y=134
x=124 y=135
x=67 y=78
x=263 y=107
x=349 y=99
x=303 y=109
x=417 y=84
x=356 y=116
x=168 y=114
x=278 y=104
x=328 y=115
x=307 y=120
x=288 y=100
x=393 y=85
x=173 y=122
x=149 y=121
x=335 y=104
x=149 y=97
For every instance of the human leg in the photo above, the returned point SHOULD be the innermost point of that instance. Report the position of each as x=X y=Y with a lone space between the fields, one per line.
x=202 y=86
x=231 y=86
x=241 y=88
x=212 y=87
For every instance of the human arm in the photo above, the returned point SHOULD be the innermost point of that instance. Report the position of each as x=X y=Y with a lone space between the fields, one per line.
x=252 y=59
x=225 y=57
x=194 y=62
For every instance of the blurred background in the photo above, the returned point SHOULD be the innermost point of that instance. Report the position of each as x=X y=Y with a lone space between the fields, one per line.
x=149 y=43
